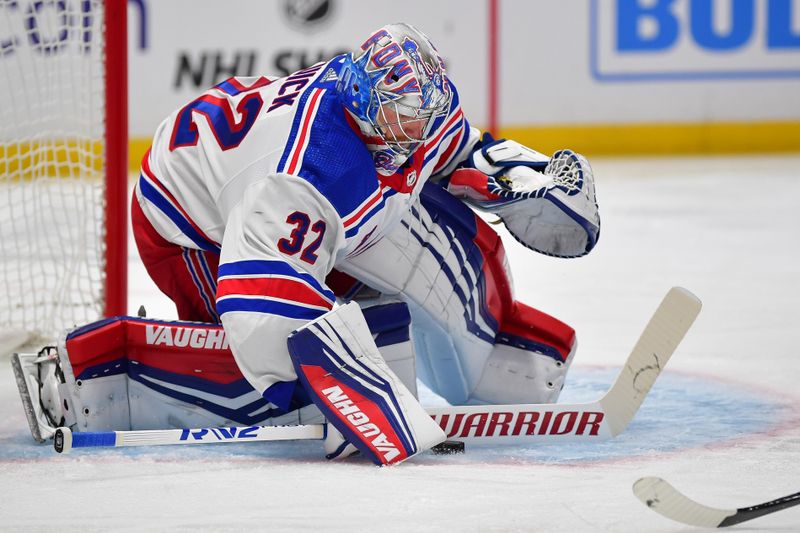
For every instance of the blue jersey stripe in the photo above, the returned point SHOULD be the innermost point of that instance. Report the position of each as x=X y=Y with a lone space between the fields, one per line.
x=157 y=199
x=212 y=282
x=335 y=161
x=269 y=307
x=298 y=117
x=371 y=213
x=440 y=145
x=465 y=139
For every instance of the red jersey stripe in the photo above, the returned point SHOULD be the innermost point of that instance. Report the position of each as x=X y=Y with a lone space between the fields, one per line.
x=283 y=288
x=300 y=147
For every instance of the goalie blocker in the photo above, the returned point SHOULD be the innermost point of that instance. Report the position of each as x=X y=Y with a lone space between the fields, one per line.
x=342 y=370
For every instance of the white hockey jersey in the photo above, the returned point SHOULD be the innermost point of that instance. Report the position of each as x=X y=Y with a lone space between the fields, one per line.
x=275 y=176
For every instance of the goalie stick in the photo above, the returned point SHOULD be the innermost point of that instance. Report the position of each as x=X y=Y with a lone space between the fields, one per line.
x=666 y=500
x=601 y=419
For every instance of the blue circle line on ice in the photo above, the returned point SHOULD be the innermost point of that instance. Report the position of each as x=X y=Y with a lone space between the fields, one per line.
x=682 y=411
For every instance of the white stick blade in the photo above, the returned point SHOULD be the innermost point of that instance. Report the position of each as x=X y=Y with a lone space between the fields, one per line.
x=666 y=329
x=664 y=499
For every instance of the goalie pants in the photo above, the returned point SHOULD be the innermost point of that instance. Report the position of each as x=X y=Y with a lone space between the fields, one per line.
x=187 y=275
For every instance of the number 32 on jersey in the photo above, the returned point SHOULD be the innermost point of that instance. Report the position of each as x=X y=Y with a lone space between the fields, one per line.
x=296 y=242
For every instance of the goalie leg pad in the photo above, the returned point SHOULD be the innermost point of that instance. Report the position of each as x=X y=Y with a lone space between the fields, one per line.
x=186 y=275
x=468 y=329
x=450 y=267
x=130 y=373
x=341 y=368
x=126 y=373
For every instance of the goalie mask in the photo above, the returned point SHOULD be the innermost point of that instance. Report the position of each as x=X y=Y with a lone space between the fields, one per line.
x=396 y=88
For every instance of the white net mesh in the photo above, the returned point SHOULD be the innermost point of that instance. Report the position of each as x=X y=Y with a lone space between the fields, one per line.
x=567 y=170
x=51 y=165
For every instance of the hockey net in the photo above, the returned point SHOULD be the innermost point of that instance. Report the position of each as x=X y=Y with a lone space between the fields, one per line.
x=63 y=166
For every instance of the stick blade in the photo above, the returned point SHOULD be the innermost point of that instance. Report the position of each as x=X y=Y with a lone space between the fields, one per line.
x=662 y=335
x=664 y=499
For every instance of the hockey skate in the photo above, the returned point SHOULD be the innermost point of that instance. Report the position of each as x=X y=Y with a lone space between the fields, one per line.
x=38 y=379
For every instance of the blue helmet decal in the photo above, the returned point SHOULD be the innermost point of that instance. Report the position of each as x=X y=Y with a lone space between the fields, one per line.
x=356 y=86
x=397 y=87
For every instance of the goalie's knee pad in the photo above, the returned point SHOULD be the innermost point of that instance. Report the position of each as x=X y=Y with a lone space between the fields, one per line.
x=526 y=363
x=529 y=361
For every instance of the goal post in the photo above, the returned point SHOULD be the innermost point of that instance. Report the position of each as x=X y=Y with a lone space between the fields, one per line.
x=63 y=165
x=116 y=155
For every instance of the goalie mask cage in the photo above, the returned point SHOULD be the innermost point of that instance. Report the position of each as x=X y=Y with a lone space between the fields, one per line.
x=63 y=166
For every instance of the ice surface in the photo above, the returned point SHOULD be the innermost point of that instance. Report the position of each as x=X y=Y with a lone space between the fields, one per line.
x=721 y=424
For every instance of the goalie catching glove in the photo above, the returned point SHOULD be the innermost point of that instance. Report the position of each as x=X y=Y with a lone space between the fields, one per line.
x=547 y=204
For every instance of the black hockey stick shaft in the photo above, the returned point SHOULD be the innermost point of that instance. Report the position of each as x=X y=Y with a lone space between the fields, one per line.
x=748 y=513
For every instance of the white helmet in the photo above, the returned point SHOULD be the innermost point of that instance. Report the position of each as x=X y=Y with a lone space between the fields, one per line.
x=397 y=87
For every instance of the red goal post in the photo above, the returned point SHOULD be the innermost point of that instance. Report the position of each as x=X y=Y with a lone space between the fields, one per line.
x=116 y=154
x=63 y=166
